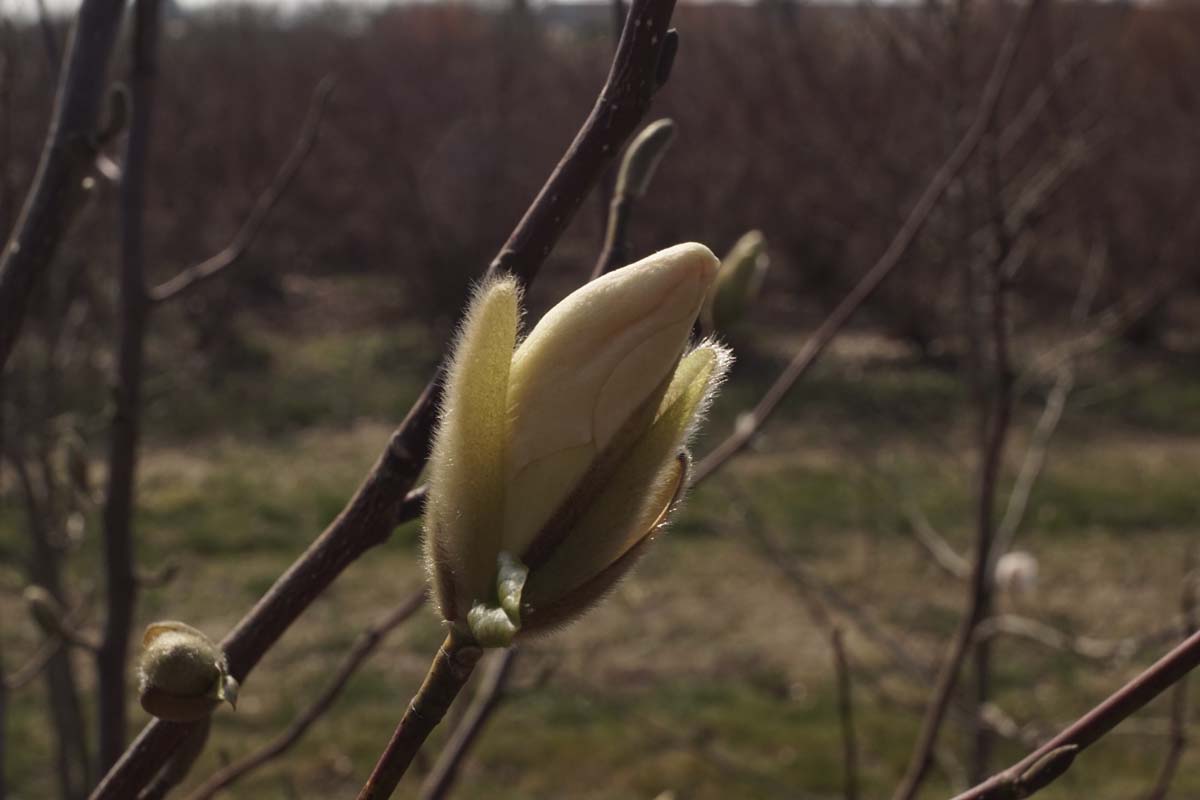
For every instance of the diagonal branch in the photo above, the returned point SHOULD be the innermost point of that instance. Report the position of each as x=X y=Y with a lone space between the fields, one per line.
x=237 y=248
x=486 y=700
x=366 y=645
x=896 y=250
x=377 y=506
x=1179 y=696
x=68 y=154
x=1046 y=763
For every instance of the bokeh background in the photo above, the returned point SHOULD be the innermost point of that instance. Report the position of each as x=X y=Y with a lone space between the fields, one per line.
x=271 y=390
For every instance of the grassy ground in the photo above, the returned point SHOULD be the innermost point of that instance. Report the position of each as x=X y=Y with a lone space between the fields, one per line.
x=702 y=676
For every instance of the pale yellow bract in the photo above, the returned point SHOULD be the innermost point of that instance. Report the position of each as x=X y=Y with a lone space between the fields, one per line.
x=564 y=453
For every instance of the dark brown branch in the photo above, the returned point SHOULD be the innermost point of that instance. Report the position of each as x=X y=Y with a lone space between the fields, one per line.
x=1091 y=727
x=1179 y=695
x=896 y=250
x=451 y=668
x=841 y=665
x=180 y=763
x=823 y=620
x=942 y=553
x=67 y=157
x=366 y=645
x=487 y=699
x=240 y=245
x=62 y=687
x=120 y=577
x=377 y=506
x=994 y=435
x=25 y=674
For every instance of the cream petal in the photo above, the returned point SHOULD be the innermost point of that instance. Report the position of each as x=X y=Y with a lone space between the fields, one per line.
x=586 y=367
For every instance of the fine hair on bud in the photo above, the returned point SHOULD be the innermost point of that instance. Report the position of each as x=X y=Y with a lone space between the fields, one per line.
x=182 y=675
x=556 y=458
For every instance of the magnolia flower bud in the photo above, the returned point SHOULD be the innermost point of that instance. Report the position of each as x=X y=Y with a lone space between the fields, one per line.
x=182 y=676
x=45 y=610
x=738 y=283
x=643 y=156
x=554 y=463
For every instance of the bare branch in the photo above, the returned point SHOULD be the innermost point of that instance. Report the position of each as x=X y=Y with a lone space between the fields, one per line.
x=451 y=668
x=237 y=248
x=362 y=650
x=923 y=531
x=67 y=157
x=896 y=250
x=841 y=666
x=1179 y=695
x=487 y=699
x=1031 y=466
x=372 y=514
x=1089 y=728
x=995 y=417
x=27 y=672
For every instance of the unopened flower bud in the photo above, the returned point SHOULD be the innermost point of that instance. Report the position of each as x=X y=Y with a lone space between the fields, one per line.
x=182 y=676
x=45 y=610
x=554 y=461
x=737 y=284
x=643 y=156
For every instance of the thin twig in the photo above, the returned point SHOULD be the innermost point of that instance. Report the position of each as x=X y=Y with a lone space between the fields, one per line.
x=1048 y=636
x=240 y=245
x=452 y=666
x=1053 y=757
x=638 y=166
x=372 y=514
x=368 y=642
x=1034 y=461
x=24 y=675
x=438 y=783
x=819 y=614
x=119 y=503
x=994 y=433
x=1179 y=695
x=841 y=665
x=1039 y=98
x=896 y=250
x=943 y=554
x=66 y=158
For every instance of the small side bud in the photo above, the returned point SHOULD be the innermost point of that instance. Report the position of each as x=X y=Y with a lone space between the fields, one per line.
x=1047 y=769
x=45 y=611
x=643 y=156
x=493 y=626
x=738 y=283
x=182 y=676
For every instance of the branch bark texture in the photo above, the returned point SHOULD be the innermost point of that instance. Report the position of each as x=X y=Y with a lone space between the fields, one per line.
x=378 y=505
x=66 y=158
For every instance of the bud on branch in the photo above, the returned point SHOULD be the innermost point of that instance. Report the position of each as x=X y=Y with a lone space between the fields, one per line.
x=555 y=461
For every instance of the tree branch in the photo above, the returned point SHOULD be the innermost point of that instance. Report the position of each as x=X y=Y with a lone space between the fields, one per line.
x=366 y=645
x=1179 y=695
x=993 y=435
x=888 y=261
x=1022 y=780
x=377 y=506
x=487 y=699
x=66 y=158
x=451 y=668
x=240 y=245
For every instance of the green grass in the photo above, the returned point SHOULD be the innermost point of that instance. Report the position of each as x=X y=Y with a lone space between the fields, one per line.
x=702 y=674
